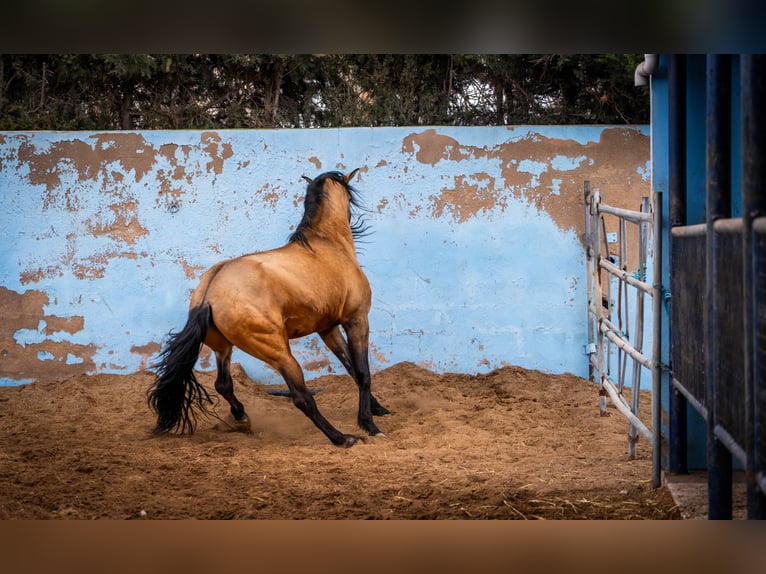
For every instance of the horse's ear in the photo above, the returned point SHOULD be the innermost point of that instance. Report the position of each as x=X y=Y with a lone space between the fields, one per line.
x=351 y=175
x=307 y=178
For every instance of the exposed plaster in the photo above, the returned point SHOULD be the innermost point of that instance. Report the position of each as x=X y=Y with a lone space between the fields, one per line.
x=32 y=343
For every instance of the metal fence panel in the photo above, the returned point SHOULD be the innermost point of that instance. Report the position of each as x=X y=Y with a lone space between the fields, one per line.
x=687 y=312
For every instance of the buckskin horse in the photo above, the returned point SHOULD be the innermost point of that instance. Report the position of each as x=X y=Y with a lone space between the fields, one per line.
x=258 y=302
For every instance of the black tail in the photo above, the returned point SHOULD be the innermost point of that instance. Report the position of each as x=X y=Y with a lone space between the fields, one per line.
x=176 y=392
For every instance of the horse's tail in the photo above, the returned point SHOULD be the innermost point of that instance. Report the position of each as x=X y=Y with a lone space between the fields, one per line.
x=176 y=393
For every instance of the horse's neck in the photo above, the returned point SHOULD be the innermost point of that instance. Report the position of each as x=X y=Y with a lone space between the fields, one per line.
x=333 y=236
x=331 y=226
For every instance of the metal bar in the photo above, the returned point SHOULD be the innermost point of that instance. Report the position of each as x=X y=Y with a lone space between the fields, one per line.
x=636 y=375
x=718 y=205
x=696 y=404
x=622 y=303
x=619 y=403
x=632 y=216
x=728 y=226
x=753 y=132
x=600 y=221
x=596 y=229
x=759 y=357
x=657 y=343
x=732 y=446
x=677 y=138
x=677 y=462
x=608 y=328
x=589 y=277
x=697 y=230
x=625 y=276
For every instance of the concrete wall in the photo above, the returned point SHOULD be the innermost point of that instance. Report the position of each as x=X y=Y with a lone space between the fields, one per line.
x=476 y=260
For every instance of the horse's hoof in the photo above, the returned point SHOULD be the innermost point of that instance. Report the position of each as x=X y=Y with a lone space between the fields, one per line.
x=379 y=434
x=371 y=429
x=349 y=440
x=243 y=426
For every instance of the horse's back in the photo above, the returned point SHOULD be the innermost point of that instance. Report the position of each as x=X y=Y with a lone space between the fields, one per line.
x=289 y=288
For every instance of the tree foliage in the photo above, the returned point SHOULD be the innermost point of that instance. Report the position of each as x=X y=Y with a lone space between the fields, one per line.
x=209 y=91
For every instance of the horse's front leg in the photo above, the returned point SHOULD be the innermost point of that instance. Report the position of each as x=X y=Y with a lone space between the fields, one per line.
x=357 y=349
x=335 y=341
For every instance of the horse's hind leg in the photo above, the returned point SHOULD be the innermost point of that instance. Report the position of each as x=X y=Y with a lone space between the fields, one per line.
x=225 y=387
x=275 y=351
x=303 y=399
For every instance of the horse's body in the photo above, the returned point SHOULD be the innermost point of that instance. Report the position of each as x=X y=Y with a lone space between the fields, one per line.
x=258 y=302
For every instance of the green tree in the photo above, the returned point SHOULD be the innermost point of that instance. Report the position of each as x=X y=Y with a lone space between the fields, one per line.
x=209 y=91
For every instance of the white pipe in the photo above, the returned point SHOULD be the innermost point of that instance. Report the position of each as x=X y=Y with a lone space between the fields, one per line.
x=645 y=69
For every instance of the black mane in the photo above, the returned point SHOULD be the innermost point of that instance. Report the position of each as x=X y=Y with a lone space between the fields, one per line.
x=315 y=194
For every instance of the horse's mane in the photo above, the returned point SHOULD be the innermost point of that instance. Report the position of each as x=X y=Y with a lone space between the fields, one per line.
x=315 y=195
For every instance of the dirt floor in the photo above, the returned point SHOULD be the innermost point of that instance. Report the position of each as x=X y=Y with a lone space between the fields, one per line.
x=511 y=444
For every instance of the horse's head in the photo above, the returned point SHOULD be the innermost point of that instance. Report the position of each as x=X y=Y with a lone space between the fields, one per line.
x=329 y=197
x=347 y=178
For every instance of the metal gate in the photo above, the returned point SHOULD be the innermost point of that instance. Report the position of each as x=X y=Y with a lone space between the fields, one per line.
x=718 y=316
x=617 y=288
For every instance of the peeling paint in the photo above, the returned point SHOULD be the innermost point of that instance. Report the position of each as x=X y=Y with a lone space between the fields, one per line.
x=433 y=147
x=146 y=352
x=33 y=344
x=211 y=141
x=475 y=257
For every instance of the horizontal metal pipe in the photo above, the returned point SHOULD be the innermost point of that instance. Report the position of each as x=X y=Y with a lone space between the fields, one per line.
x=625 y=276
x=608 y=328
x=627 y=214
x=697 y=230
x=731 y=444
x=626 y=412
x=698 y=406
x=728 y=225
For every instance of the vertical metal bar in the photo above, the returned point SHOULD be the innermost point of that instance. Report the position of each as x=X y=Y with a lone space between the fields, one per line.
x=718 y=205
x=677 y=407
x=599 y=304
x=759 y=361
x=639 y=330
x=622 y=298
x=657 y=300
x=753 y=106
x=677 y=137
x=607 y=295
x=591 y=348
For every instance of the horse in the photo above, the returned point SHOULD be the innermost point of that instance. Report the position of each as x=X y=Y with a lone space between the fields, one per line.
x=260 y=301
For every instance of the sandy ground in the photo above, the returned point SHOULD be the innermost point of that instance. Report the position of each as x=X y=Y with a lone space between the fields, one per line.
x=511 y=444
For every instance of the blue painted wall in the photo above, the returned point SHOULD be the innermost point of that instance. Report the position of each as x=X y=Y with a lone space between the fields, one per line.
x=476 y=259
